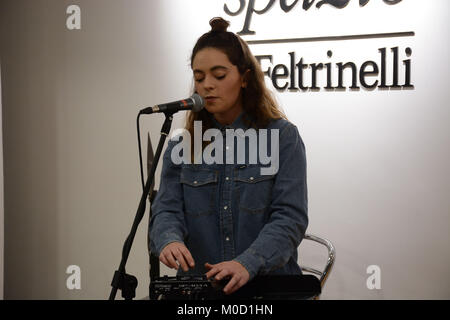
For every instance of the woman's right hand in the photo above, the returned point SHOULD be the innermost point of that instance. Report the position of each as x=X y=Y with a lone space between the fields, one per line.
x=176 y=254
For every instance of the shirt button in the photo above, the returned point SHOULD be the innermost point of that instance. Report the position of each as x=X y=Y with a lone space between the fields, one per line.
x=227 y=238
x=227 y=147
x=195 y=182
x=227 y=178
x=226 y=207
x=251 y=178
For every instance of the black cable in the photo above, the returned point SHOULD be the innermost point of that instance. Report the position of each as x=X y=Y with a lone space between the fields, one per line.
x=140 y=149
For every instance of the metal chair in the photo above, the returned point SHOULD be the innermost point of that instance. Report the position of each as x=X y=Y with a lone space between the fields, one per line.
x=329 y=264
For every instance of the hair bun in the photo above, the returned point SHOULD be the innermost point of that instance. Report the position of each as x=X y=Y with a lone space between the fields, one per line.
x=218 y=24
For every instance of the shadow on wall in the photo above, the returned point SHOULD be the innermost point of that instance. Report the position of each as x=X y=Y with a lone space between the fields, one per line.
x=30 y=150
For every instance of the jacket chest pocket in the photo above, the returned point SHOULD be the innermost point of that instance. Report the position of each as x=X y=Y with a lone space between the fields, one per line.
x=254 y=190
x=199 y=189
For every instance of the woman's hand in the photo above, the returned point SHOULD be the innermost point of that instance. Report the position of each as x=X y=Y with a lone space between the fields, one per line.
x=233 y=269
x=176 y=254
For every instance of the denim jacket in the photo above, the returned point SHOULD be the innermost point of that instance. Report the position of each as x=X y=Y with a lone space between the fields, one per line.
x=232 y=211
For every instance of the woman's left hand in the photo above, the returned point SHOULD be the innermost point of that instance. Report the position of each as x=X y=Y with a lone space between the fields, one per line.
x=233 y=269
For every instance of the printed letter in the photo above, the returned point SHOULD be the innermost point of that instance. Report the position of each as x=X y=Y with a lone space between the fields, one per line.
x=74 y=20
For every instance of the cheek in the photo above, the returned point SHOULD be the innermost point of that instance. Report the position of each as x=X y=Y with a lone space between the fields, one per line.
x=233 y=89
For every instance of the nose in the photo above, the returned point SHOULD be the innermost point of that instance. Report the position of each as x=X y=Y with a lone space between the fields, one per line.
x=208 y=83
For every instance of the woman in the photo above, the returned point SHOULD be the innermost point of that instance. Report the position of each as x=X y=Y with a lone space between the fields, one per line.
x=230 y=220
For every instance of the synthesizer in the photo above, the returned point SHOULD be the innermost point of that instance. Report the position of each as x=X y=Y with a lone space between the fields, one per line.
x=198 y=287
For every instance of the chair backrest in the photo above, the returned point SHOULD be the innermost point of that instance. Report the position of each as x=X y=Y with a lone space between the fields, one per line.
x=323 y=274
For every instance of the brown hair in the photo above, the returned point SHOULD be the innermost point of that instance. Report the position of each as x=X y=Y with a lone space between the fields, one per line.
x=257 y=101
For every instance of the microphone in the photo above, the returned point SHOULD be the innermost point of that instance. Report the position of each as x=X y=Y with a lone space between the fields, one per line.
x=194 y=103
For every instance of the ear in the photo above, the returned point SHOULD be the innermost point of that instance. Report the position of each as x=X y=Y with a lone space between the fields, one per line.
x=245 y=78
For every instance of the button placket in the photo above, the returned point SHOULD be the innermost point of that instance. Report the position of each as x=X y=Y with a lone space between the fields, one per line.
x=226 y=213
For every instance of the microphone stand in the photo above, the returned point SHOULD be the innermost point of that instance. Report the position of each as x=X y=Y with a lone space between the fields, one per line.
x=125 y=282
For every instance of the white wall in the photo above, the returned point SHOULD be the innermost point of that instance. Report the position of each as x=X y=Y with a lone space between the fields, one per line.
x=377 y=160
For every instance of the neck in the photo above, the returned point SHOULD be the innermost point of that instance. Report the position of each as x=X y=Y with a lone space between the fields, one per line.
x=228 y=117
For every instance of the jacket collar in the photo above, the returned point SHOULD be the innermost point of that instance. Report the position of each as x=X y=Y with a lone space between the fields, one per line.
x=238 y=123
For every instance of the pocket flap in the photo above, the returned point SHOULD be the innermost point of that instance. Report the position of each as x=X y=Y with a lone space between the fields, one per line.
x=250 y=174
x=197 y=177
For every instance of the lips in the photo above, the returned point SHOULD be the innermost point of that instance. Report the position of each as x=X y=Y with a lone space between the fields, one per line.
x=210 y=98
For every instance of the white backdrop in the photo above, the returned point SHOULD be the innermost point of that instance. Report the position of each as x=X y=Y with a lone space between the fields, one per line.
x=377 y=159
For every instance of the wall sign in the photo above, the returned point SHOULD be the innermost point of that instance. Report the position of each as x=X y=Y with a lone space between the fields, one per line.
x=286 y=8
x=300 y=74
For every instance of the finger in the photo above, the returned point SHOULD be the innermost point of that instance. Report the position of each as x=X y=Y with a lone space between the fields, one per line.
x=180 y=258
x=171 y=260
x=187 y=255
x=208 y=265
x=163 y=259
x=222 y=274
x=212 y=272
x=230 y=287
x=237 y=286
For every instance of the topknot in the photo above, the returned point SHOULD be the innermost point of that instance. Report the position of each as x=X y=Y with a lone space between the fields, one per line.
x=218 y=24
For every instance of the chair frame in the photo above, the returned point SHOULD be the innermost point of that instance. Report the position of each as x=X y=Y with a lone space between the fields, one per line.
x=330 y=261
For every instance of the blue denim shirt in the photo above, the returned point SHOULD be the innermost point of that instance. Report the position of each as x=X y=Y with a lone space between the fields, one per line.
x=233 y=212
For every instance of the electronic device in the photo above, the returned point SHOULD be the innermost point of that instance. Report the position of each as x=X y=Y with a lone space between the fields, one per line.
x=198 y=287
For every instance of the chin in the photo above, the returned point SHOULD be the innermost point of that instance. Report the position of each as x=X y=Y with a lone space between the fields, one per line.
x=213 y=109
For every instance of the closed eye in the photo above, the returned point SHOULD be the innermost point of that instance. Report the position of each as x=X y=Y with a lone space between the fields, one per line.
x=217 y=77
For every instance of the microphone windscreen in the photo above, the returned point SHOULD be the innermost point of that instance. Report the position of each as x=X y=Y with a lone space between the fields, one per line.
x=199 y=102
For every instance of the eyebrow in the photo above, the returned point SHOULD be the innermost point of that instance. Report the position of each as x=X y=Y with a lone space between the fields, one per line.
x=212 y=69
